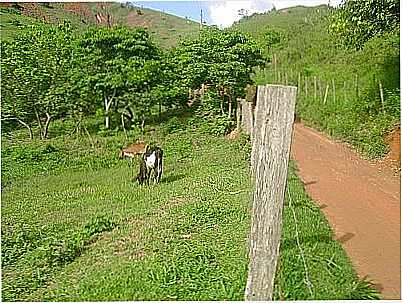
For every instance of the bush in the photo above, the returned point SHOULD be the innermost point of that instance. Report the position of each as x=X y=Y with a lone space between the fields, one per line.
x=393 y=102
x=173 y=126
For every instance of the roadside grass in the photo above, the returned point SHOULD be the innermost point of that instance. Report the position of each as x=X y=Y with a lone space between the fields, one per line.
x=73 y=231
x=307 y=56
x=312 y=264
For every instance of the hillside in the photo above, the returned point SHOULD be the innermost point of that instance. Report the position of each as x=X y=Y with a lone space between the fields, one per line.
x=166 y=29
x=339 y=88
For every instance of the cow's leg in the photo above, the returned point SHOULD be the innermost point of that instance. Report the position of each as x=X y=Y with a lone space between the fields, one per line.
x=159 y=169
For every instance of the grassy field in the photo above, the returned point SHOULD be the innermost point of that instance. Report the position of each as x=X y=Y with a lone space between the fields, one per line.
x=76 y=228
x=307 y=56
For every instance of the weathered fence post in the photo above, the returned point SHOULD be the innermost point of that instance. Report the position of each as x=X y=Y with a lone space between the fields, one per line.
x=306 y=85
x=273 y=124
x=382 y=97
x=246 y=117
x=238 y=113
x=326 y=94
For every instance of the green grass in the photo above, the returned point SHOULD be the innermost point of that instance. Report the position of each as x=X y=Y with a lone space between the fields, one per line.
x=79 y=229
x=312 y=265
x=354 y=112
x=11 y=23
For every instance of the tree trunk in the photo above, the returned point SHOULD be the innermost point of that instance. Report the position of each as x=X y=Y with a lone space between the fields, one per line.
x=382 y=97
x=326 y=94
x=28 y=127
x=142 y=124
x=238 y=114
x=39 y=122
x=222 y=100
x=229 y=106
x=107 y=118
x=123 y=125
x=108 y=104
x=46 y=129
x=129 y=115
x=77 y=126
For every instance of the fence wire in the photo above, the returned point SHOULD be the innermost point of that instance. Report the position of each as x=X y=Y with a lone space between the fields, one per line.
x=307 y=279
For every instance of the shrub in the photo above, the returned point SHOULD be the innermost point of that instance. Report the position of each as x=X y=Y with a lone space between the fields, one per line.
x=173 y=126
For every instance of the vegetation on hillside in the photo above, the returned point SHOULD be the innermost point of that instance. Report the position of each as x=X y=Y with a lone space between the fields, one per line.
x=74 y=224
x=117 y=72
x=352 y=95
x=75 y=227
x=356 y=22
x=167 y=30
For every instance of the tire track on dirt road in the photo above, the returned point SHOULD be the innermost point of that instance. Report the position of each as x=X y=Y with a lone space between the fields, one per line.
x=362 y=202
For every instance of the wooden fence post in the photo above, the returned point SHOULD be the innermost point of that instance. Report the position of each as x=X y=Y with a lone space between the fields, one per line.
x=326 y=94
x=382 y=97
x=306 y=85
x=246 y=117
x=273 y=124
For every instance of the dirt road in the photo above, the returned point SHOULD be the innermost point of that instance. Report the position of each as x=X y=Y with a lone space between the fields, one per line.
x=361 y=201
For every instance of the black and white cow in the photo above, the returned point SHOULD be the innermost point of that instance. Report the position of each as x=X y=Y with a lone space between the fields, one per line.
x=151 y=162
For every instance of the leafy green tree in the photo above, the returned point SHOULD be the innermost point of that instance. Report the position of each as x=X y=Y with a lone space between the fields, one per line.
x=17 y=95
x=222 y=59
x=111 y=62
x=355 y=22
x=34 y=68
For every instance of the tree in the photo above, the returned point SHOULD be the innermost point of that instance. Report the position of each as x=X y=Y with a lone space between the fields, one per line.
x=356 y=22
x=110 y=62
x=34 y=68
x=243 y=13
x=224 y=59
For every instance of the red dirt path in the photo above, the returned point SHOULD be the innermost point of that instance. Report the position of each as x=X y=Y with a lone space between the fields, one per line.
x=362 y=202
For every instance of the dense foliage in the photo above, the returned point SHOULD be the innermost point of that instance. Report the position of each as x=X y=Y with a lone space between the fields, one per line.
x=109 y=66
x=218 y=58
x=356 y=22
x=34 y=68
x=51 y=72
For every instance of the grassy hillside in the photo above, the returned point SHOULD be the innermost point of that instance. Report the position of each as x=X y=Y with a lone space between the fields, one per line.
x=166 y=29
x=338 y=87
x=76 y=228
